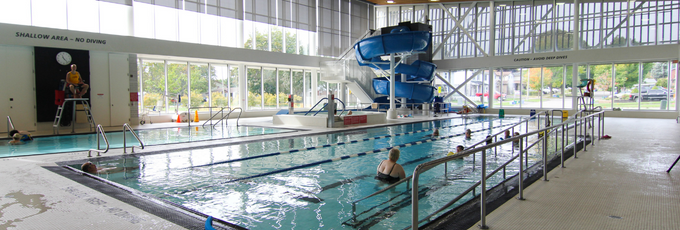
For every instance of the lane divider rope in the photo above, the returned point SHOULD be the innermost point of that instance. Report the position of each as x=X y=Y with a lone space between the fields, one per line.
x=336 y=159
x=330 y=145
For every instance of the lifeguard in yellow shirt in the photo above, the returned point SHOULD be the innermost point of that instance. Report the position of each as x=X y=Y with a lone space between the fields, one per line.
x=75 y=83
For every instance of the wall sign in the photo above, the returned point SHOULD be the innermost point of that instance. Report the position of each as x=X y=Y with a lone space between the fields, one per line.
x=541 y=58
x=59 y=38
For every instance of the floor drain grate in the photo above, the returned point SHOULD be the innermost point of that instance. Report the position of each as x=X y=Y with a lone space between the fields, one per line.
x=615 y=217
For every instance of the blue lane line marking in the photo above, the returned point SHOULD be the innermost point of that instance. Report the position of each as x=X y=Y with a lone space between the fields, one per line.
x=334 y=159
x=329 y=145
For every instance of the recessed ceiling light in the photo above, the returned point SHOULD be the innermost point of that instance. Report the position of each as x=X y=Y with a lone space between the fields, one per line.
x=560 y=3
x=502 y=5
x=390 y=1
x=434 y=0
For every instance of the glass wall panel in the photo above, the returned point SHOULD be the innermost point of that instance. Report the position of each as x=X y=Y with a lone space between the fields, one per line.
x=261 y=36
x=672 y=86
x=553 y=90
x=209 y=29
x=144 y=20
x=16 y=12
x=591 y=23
x=188 y=27
x=152 y=85
x=177 y=86
x=564 y=25
x=48 y=13
x=603 y=85
x=284 y=87
x=321 y=88
x=116 y=19
x=199 y=75
x=298 y=88
x=83 y=15
x=625 y=79
x=219 y=86
x=308 y=89
x=269 y=86
x=234 y=87
x=568 y=93
x=531 y=82
x=523 y=21
x=227 y=27
x=277 y=40
x=504 y=88
x=652 y=89
x=254 y=86
x=168 y=30
x=456 y=78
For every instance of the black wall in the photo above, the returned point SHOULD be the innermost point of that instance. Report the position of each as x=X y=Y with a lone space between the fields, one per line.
x=48 y=73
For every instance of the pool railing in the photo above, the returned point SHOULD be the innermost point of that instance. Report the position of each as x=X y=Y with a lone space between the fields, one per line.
x=126 y=127
x=100 y=132
x=10 y=125
x=579 y=124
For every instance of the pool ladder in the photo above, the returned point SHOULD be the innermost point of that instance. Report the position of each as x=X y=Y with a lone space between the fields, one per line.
x=100 y=132
x=126 y=127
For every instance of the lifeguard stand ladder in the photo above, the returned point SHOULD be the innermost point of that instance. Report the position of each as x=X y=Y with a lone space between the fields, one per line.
x=586 y=101
x=86 y=109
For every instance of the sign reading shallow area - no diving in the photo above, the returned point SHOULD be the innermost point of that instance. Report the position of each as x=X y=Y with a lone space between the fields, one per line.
x=54 y=37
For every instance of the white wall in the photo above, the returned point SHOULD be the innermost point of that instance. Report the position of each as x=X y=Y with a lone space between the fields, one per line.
x=18 y=81
x=99 y=91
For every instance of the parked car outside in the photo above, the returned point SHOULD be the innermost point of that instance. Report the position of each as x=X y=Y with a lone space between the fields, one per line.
x=650 y=95
x=624 y=95
x=495 y=95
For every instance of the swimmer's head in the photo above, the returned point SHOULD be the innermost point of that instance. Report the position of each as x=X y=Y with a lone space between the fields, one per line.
x=14 y=131
x=89 y=168
x=435 y=132
x=16 y=136
x=460 y=148
x=394 y=154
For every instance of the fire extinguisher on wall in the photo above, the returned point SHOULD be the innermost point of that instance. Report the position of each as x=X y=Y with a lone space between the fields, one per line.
x=291 y=104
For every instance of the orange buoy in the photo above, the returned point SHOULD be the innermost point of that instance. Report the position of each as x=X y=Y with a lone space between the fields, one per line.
x=178 y=119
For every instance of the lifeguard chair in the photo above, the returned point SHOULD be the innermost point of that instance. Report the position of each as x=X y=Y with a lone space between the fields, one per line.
x=586 y=101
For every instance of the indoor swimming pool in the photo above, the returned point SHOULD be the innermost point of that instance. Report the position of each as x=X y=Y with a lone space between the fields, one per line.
x=84 y=142
x=311 y=182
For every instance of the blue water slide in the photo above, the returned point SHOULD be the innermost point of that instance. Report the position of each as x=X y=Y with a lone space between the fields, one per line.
x=419 y=93
x=398 y=42
x=416 y=71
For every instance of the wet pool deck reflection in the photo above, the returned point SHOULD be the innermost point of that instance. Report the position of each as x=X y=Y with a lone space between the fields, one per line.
x=619 y=183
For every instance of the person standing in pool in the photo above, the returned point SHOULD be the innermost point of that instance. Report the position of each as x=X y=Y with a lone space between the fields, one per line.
x=388 y=170
x=16 y=140
x=468 y=134
x=434 y=134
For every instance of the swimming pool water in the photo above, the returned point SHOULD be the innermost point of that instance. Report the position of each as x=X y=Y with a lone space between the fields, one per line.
x=319 y=196
x=84 y=142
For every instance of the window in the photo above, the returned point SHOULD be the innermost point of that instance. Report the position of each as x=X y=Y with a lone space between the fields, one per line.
x=254 y=86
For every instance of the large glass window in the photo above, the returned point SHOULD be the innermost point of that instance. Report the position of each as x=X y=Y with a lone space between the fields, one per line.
x=219 y=86
x=298 y=86
x=234 y=87
x=653 y=90
x=152 y=86
x=254 y=86
x=603 y=85
x=269 y=86
x=625 y=79
x=284 y=87
x=308 y=89
x=177 y=86
x=553 y=90
x=199 y=76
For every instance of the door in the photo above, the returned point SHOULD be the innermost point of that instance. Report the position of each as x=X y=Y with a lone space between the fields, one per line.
x=119 y=88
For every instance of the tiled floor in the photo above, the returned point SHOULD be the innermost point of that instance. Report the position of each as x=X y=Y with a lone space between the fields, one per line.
x=619 y=183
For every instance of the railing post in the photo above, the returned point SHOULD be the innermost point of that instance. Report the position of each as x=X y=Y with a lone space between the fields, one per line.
x=124 y=139
x=562 y=153
x=592 y=130
x=446 y=170
x=545 y=156
x=575 y=138
x=414 y=200
x=585 y=132
x=482 y=194
x=354 y=212
x=521 y=172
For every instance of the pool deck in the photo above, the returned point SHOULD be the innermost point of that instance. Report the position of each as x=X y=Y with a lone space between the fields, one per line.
x=619 y=183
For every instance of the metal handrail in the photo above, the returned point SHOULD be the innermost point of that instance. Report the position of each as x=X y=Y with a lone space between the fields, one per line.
x=325 y=98
x=100 y=132
x=431 y=164
x=126 y=127
x=239 y=116
x=213 y=116
x=9 y=124
x=200 y=107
